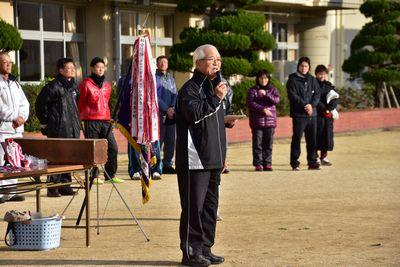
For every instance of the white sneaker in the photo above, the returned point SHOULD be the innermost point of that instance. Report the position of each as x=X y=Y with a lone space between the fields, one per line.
x=156 y=176
x=136 y=176
x=326 y=162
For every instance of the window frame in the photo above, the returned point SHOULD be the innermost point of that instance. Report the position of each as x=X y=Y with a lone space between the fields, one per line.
x=155 y=41
x=42 y=36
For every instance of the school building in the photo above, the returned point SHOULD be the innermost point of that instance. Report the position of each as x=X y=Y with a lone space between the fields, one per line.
x=319 y=29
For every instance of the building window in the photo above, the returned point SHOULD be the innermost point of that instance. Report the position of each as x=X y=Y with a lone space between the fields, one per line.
x=286 y=39
x=49 y=32
x=160 y=28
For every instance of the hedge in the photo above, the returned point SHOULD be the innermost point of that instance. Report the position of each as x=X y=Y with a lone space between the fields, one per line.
x=32 y=91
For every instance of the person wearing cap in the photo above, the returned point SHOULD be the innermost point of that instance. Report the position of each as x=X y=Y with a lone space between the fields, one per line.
x=94 y=110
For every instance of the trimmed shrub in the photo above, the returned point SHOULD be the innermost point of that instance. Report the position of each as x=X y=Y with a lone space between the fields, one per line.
x=10 y=39
x=31 y=92
x=261 y=65
x=261 y=40
x=232 y=65
x=240 y=97
x=241 y=22
x=353 y=99
x=180 y=62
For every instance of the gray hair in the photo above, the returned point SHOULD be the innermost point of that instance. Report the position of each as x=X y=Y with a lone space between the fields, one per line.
x=199 y=52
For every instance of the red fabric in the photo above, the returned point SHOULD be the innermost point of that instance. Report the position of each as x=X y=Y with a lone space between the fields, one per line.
x=93 y=103
x=328 y=115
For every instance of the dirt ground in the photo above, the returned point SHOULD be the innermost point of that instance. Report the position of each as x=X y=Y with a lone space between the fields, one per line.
x=344 y=215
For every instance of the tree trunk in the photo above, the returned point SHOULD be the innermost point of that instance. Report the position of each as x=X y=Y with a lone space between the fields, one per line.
x=379 y=96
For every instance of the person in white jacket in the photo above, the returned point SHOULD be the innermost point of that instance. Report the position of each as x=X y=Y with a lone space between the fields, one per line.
x=14 y=111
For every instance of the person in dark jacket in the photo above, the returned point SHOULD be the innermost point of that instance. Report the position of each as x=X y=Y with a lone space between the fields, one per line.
x=166 y=95
x=261 y=102
x=94 y=108
x=326 y=110
x=57 y=110
x=200 y=156
x=303 y=94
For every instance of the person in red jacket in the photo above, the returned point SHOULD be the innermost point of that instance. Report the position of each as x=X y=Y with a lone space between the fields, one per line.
x=94 y=110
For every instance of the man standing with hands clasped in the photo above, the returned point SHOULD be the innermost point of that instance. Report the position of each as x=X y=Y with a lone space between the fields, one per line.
x=303 y=93
x=200 y=156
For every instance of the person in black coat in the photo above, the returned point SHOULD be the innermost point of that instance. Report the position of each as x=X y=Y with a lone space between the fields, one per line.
x=57 y=110
x=326 y=110
x=303 y=94
x=200 y=156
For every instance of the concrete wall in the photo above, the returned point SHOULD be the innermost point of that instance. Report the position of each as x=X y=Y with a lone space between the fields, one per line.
x=314 y=40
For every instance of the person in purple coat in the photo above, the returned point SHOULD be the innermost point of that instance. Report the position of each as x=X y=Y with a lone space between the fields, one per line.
x=261 y=102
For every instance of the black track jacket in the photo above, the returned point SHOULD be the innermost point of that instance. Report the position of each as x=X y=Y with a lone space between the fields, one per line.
x=201 y=137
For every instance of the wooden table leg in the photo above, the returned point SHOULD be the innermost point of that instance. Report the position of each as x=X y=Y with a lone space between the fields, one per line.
x=87 y=203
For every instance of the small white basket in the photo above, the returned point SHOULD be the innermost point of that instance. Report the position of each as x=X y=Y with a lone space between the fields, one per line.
x=39 y=234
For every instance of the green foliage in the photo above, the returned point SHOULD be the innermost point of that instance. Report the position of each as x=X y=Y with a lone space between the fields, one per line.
x=14 y=70
x=194 y=6
x=262 y=40
x=193 y=38
x=241 y=22
x=180 y=62
x=240 y=91
x=238 y=35
x=381 y=75
x=371 y=8
x=31 y=92
x=240 y=96
x=232 y=65
x=353 y=99
x=261 y=65
x=375 y=51
x=203 y=6
x=283 y=106
x=10 y=39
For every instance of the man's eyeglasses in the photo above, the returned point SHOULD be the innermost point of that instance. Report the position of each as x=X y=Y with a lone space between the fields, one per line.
x=7 y=62
x=212 y=59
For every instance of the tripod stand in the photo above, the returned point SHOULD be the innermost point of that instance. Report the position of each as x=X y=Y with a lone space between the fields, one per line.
x=121 y=197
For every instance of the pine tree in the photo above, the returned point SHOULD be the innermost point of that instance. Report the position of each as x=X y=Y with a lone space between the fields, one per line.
x=10 y=39
x=239 y=35
x=375 y=51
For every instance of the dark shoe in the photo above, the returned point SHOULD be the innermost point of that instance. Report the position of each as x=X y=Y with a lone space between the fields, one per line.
x=267 y=168
x=225 y=171
x=2 y=200
x=168 y=170
x=214 y=259
x=314 y=166
x=67 y=192
x=196 y=260
x=53 y=193
x=16 y=198
x=295 y=168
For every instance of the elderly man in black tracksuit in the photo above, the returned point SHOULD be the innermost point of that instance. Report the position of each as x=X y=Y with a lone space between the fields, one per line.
x=200 y=156
x=303 y=93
